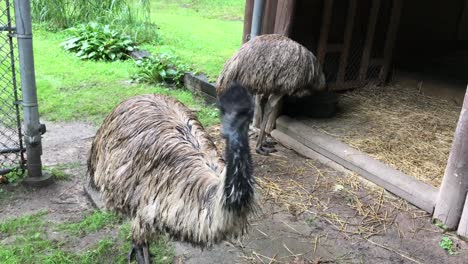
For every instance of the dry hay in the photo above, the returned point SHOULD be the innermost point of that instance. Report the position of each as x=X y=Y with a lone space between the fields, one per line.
x=398 y=126
x=371 y=212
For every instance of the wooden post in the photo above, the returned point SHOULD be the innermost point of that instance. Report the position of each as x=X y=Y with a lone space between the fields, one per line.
x=463 y=225
x=454 y=187
x=391 y=39
x=283 y=23
x=463 y=24
x=268 y=23
x=347 y=40
x=284 y=15
x=325 y=29
x=369 y=39
x=248 y=12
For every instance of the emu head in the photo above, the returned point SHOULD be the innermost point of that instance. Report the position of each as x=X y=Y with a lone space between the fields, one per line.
x=236 y=106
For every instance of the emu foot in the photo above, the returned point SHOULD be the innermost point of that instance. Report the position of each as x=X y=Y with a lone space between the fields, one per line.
x=265 y=150
x=142 y=254
x=253 y=132
x=270 y=142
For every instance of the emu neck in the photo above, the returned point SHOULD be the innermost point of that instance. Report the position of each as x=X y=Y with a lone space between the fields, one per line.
x=238 y=188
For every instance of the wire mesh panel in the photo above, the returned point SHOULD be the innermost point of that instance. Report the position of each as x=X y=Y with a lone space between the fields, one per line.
x=11 y=146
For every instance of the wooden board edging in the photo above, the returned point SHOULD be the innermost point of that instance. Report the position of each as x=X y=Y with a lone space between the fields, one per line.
x=200 y=86
x=409 y=188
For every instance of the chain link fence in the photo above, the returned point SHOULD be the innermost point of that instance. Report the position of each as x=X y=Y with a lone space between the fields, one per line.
x=11 y=145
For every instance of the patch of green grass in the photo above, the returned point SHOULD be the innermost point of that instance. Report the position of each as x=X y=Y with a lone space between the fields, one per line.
x=71 y=89
x=203 y=42
x=447 y=244
x=28 y=242
x=58 y=172
x=220 y=9
x=91 y=223
x=23 y=224
x=162 y=249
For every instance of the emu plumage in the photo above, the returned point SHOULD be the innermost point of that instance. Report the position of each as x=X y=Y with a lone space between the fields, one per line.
x=151 y=160
x=272 y=66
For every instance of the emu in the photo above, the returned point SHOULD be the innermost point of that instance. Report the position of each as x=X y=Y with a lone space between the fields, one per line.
x=272 y=66
x=152 y=161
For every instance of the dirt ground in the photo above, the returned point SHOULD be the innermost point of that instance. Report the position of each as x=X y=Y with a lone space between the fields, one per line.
x=311 y=213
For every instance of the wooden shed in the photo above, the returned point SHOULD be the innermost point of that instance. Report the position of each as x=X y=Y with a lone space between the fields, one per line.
x=362 y=41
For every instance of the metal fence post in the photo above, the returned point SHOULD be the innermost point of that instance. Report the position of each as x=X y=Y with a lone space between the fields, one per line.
x=32 y=128
x=255 y=30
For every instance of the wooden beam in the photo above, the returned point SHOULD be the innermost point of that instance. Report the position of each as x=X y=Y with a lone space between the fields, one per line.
x=391 y=39
x=248 y=12
x=348 y=34
x=201 y=87
x=416 y=192
x=376 y=62
x=374 y=12
x=269 y=16
x=454 y=186
x=463 y=24
x=325 y=29
x=284 y=15
x=463 y=225
x=340 y=86
x=331 y=48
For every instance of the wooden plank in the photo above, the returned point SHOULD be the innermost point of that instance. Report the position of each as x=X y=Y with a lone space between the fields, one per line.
x=340 y=86
x=377 y=62
x=369 y=39
x=391 y=39
x=248 y=12
x=295 y=145
x=455 y=182
x=269 y=17
x=331 y=48
x=284 y=14
x=325 y=29
x=348 y=34
x=463 y=225
x=463 y=24
x=416 y=192
x=201 y=87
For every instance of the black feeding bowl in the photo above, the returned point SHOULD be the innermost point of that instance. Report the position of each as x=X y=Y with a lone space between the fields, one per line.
x=322 y=105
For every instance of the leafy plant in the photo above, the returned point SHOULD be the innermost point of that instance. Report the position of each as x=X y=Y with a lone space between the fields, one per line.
x=15 y=176
x=447 y=244
x=128 y=16
x=160 y=68
x=98 y=42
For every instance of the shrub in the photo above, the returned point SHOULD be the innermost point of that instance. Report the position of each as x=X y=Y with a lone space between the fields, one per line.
x=161 y=68
x=98 y=42
x=128 y=16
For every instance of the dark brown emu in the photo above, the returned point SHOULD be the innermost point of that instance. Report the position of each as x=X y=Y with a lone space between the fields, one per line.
x=152 y=161
x=272 y=66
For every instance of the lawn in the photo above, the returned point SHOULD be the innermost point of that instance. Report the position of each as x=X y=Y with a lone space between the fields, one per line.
x=32 y=242
x=72 y=89
x=202 y=33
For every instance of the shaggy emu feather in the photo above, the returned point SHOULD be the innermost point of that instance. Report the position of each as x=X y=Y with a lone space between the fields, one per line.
x=152 y=161
x=272 y=66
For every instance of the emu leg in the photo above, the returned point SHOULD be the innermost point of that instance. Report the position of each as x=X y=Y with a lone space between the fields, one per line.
x=142 y=253
x=257 y=111
x=273 y=101
x=260 y=102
